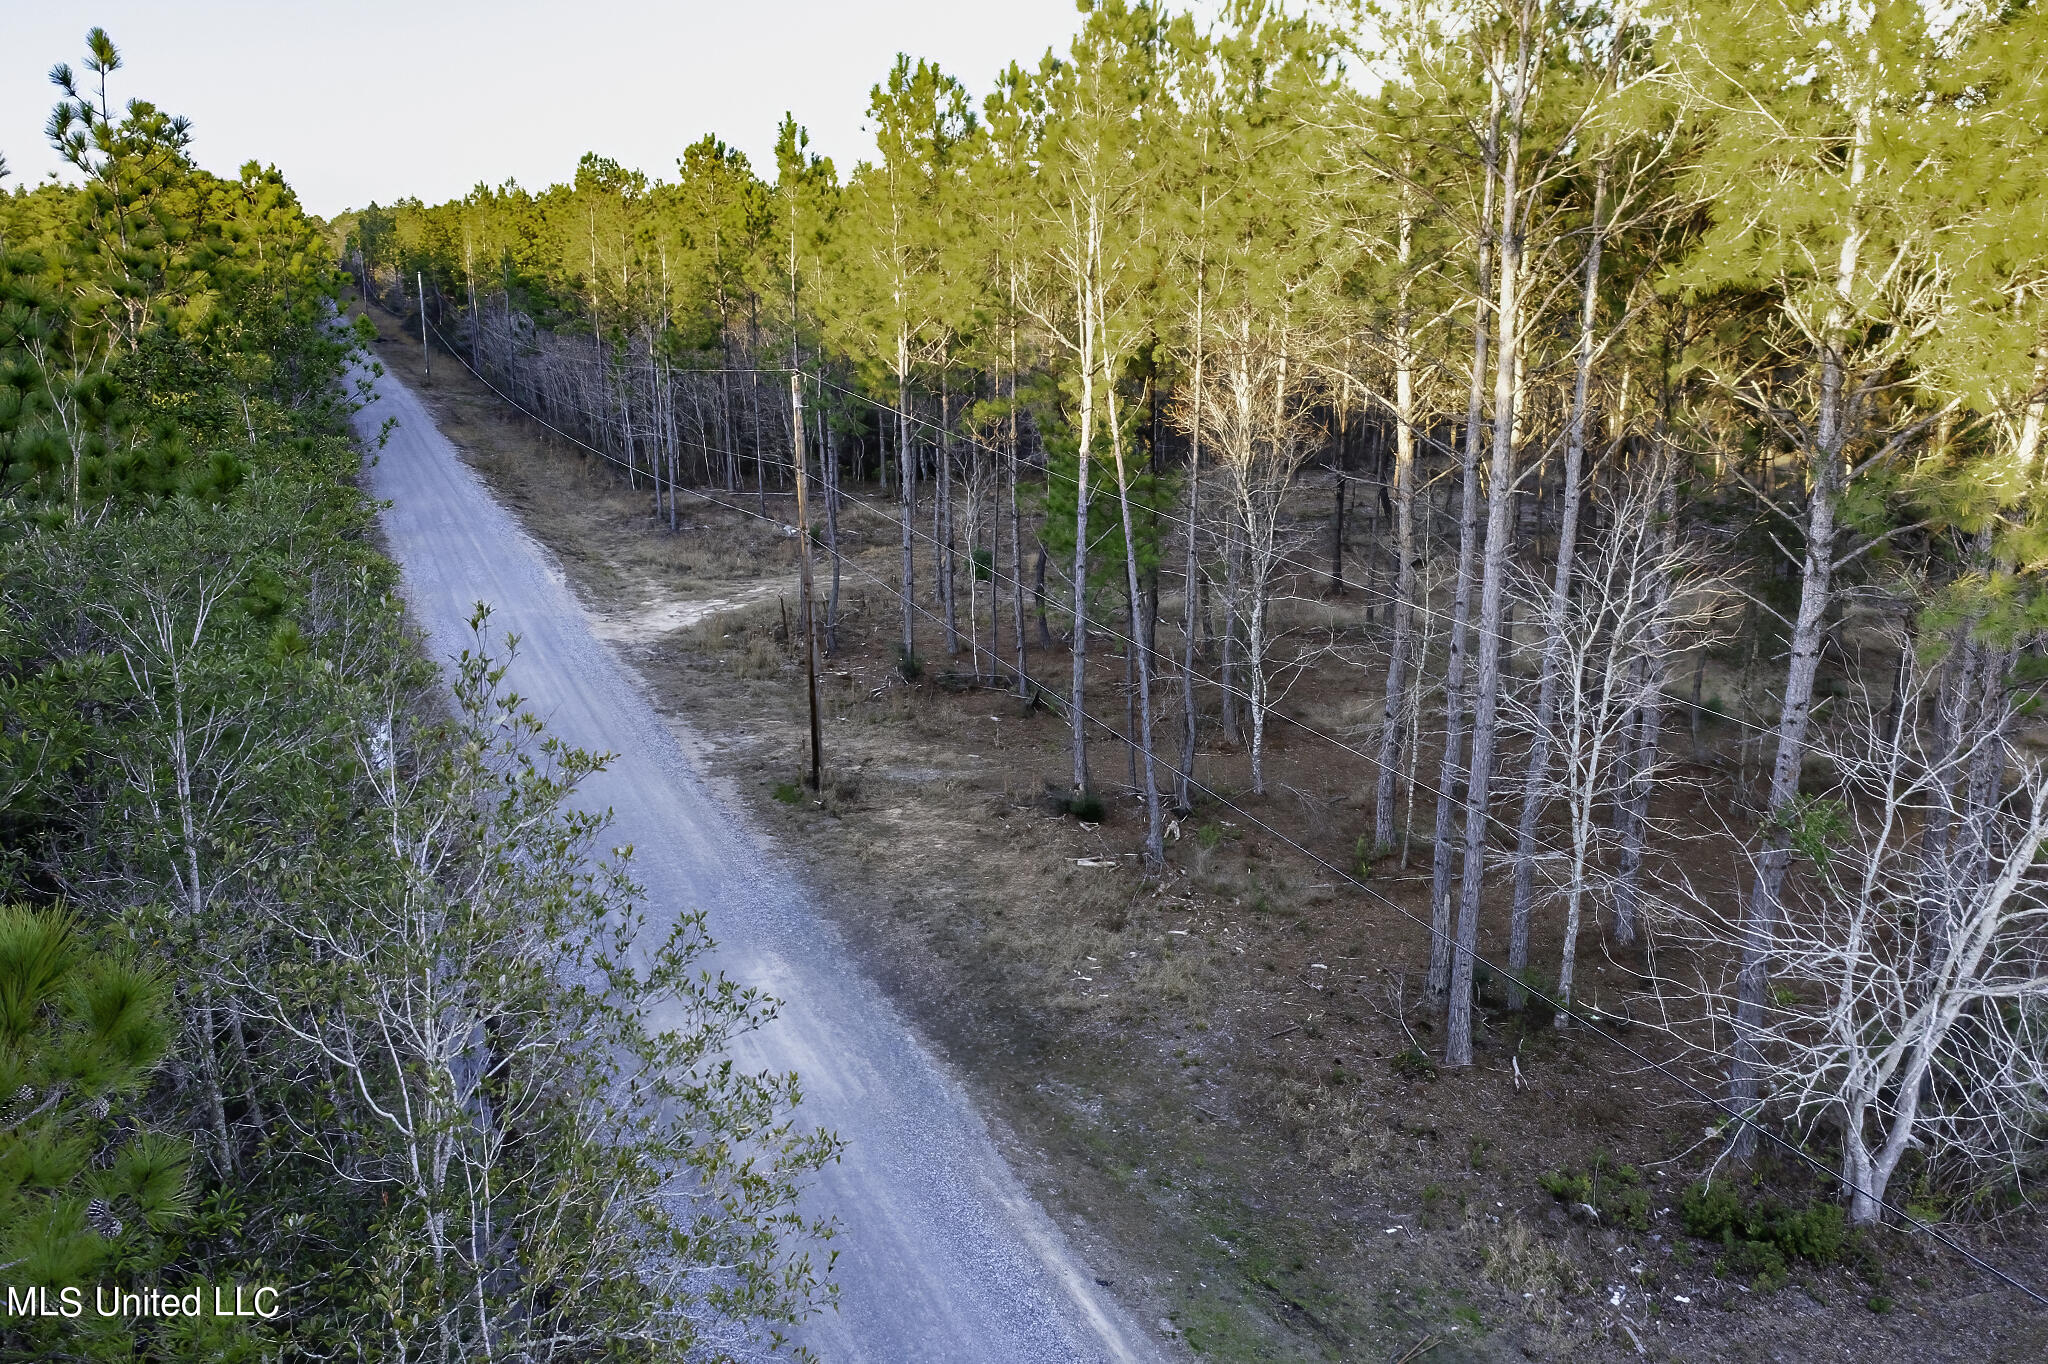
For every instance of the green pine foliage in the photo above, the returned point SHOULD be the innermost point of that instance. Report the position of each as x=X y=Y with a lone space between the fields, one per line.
x=1202 y=251
x=1615 y=1192
x=84 y=1194
x=1820 y=311
x=282 y=851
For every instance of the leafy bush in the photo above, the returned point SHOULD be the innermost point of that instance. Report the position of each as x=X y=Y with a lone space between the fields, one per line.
x=789 y=793
x=1613 y=1191
x=1711 y=1210
x=1815 y=1234
x=1086 y=806
x=1764 y=1235
x=1625 y=1207
x=1759 y=1262
x=1414 y=1064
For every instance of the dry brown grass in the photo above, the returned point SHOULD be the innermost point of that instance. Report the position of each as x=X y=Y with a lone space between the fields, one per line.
x=1339 y=1130
x=1519 y=1261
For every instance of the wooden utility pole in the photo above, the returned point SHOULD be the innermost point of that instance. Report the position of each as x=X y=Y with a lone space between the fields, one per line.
x=803 y=559
x=426 y=351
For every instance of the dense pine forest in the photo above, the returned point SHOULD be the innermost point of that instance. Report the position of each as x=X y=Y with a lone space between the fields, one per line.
x=1665 y=381
x=312 y=978
x=1538 y=508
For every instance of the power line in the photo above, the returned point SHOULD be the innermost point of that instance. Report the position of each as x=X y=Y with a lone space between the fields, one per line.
x=1544 y=850
x=1374 y=595
x=1744 y=1118
x=1381 y=596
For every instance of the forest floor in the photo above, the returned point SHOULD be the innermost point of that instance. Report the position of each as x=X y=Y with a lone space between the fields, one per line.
x=1215 y=1080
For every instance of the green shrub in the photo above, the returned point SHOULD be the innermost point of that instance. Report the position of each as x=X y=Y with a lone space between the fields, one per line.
x=1762 y=1236
x=1539 y=983
x=1625 y=1207
x=1086 y=806
x=1761 y=1263
x=1613 y=1191
x=1414 y=1064
x=1815 y=1234
x=1710 y=1210
x=85 y=1193
x=909 y=664
x=789 y=793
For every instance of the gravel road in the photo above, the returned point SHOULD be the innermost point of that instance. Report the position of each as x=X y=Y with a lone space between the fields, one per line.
x=943 y=1254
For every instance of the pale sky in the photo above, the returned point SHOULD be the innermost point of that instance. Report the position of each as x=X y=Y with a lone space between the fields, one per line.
x=377 y=99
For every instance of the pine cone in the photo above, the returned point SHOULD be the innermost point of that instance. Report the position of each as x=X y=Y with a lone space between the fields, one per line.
x=100 y=1217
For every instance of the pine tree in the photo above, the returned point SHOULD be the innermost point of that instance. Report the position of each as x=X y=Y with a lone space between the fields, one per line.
x=1802 y=175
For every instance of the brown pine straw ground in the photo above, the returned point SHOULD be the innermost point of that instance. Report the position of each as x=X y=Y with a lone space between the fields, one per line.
x=1199 y=1077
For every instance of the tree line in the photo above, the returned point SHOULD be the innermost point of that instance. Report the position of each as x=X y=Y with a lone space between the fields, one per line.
x=1661 y=341
x=312 y=975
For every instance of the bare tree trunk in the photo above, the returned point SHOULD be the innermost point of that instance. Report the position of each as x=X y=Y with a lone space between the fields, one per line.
x=1191 y=569
x=1233 y=551
x=943 y=507
x=1642 y=763
x=830 y=445
x=1155 y=842
x=1829 y=474
x=1078 y=695
x=1337 y=530
x=1017 y=520
x=1981 y=791
x=1038 y=597
x=1451 y=763
x=760 y=454
x=1184 y=796
x=904 y=465
x=994 y=523
x=209 y=1076
x=1493 y=585
x=1537 y=776
x=727 y=438
x=1404 y=554
x=1938 y=833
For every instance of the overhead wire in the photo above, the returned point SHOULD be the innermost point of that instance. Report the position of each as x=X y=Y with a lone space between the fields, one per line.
x=995 y=574
x=1543 y=851
x=1561 y=1008
x=1381 y=596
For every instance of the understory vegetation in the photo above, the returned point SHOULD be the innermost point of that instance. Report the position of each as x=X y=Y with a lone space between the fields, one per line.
x=312 y=975
x=1686 y=364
